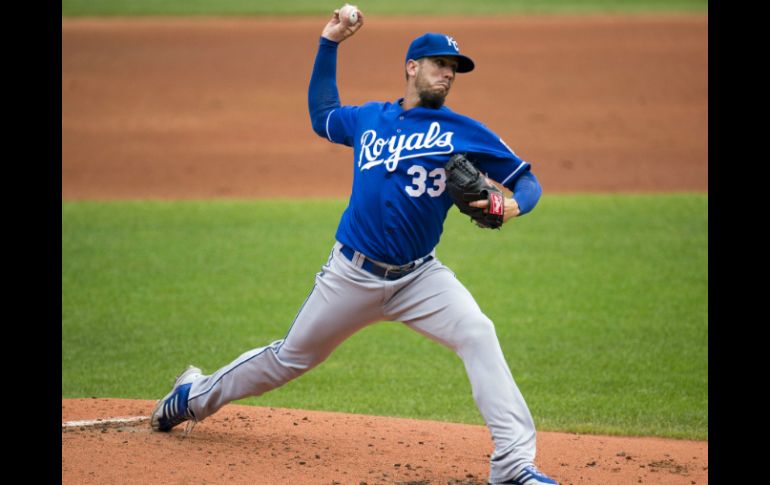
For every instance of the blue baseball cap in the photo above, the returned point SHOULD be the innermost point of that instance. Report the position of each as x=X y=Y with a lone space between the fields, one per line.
x=433 y=44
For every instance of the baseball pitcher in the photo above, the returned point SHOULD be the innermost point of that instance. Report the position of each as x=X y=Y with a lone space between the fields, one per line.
x=413 y=159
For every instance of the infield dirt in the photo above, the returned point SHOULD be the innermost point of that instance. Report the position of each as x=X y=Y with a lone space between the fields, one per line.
x=209 y=108
x=218 y=108
x=259 y=445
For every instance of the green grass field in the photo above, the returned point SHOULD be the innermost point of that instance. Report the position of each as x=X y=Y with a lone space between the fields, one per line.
x=431 y=7
x=600 y=303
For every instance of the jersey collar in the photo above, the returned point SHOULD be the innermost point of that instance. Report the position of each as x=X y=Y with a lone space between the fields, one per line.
x=400 y=109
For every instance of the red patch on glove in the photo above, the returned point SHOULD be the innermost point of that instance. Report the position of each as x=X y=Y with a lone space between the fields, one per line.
x=495 y=203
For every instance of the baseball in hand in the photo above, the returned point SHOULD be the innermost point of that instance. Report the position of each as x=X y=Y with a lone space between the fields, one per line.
x=349 y=12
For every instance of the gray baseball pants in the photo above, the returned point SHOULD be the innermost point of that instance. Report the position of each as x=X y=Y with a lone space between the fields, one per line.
x=345 y=299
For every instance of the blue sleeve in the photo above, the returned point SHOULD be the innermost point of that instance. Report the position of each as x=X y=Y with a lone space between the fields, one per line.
x=328 y=117
x=526 y=190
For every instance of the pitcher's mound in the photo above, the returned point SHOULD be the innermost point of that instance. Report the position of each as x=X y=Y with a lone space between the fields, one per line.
x=110 y=441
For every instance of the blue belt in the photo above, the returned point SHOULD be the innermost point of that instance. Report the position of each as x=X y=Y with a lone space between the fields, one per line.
x=383 y=272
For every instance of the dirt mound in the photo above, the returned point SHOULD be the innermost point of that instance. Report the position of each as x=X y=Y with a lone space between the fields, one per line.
x=275 y=446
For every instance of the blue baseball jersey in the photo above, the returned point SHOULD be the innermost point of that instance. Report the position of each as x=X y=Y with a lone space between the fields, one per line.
x=399 y=200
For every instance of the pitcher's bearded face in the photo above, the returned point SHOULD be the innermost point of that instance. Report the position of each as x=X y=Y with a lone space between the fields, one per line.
x=434 y=79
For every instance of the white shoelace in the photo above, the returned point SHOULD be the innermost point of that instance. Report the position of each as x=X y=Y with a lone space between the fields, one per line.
x=189 y=427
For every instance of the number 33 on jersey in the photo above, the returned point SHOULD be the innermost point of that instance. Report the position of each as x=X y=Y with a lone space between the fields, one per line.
x=418 y=187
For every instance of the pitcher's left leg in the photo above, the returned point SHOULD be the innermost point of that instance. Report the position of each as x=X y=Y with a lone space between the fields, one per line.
x=437 y=305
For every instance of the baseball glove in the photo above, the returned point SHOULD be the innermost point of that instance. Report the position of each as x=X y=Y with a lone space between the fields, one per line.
x=465 y=184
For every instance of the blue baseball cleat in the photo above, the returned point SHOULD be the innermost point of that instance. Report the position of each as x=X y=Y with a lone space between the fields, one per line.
x=530 y=476
x=172 y=409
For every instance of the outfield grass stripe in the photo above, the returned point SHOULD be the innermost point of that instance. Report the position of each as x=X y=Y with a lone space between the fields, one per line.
x=600 y=304
x=385 y=7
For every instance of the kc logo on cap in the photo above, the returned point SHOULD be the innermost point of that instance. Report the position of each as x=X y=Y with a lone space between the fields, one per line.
x=451 y=41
